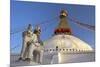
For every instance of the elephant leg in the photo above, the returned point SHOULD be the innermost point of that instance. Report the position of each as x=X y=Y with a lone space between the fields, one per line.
x=39 y=58
x=30 y=52
x=23 y=51
x=35 y=56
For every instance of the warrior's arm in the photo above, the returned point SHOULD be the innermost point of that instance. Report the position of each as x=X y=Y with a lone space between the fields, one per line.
x=34 y=38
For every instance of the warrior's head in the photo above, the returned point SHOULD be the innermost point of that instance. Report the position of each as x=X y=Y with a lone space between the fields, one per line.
x=30 y=27
x=37 y=30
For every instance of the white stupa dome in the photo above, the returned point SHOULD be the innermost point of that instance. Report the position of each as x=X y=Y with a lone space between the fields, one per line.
x=66 y=41
x=63 y=47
